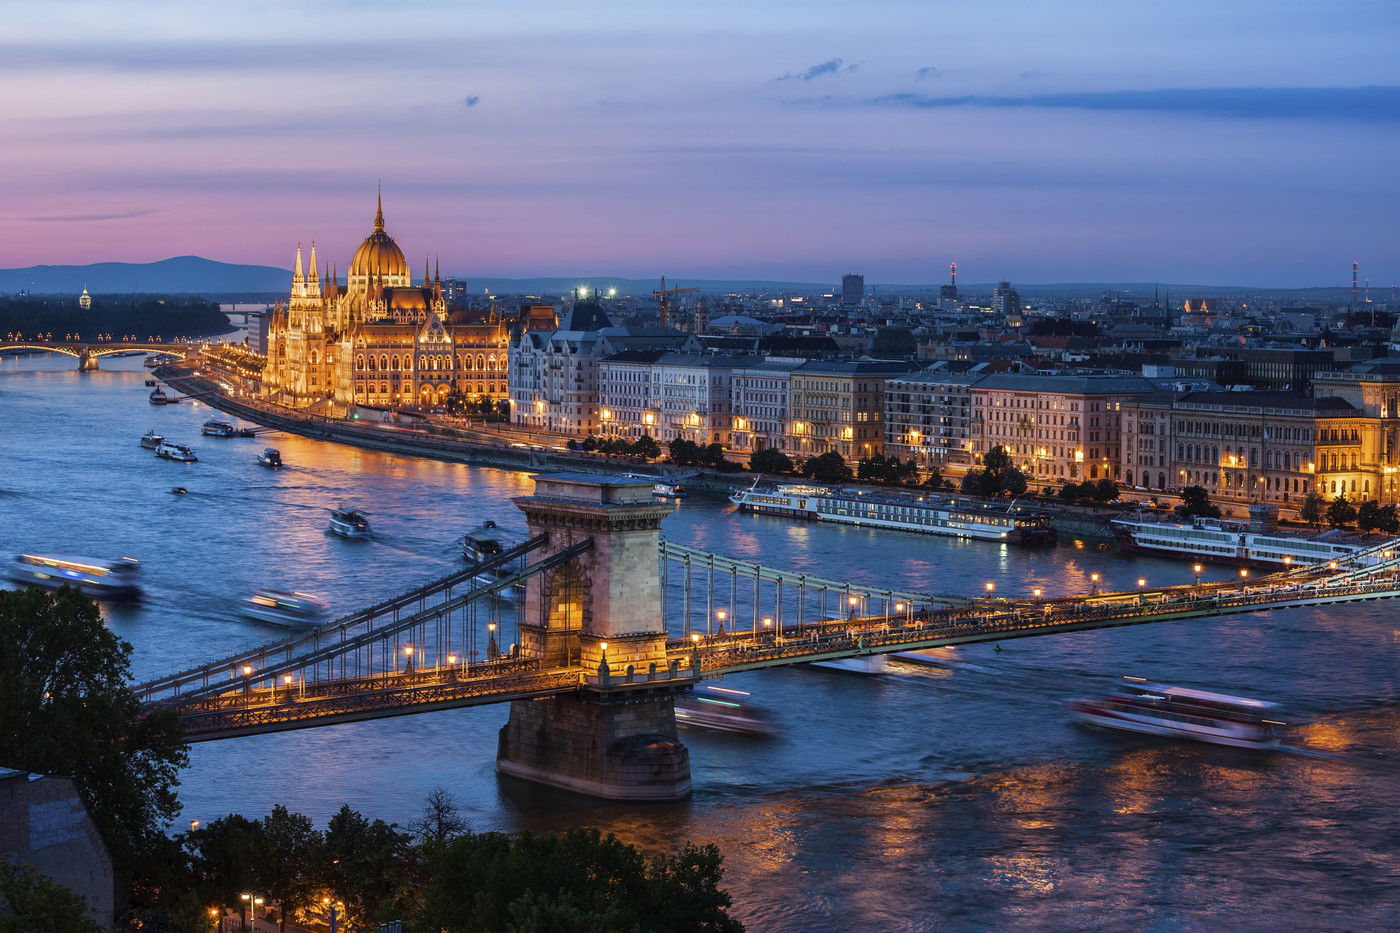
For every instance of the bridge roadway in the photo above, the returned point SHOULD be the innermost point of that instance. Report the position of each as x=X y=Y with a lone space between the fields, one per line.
x=255 y=710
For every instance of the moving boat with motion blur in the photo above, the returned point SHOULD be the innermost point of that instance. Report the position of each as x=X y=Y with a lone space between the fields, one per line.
x=1185 y=713
x=660 y=486
x=294 y=609
x=721 y=709
x=177 y=452
x=271 y=458
x=349 y=523
x=151 y=440
x=484 y=542
x=94 y=576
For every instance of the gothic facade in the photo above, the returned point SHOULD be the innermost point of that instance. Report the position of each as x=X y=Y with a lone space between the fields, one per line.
x=379 y=340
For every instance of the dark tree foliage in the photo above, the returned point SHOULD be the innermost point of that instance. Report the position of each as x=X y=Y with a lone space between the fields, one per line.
x=998 y=476
x=643 y=448
x=1100 y=491
x=370 y=866
x=1314 y=509
x=881 y=469
x=770 y=460
x=578 y=880
x=31 y=901
x=65 y=708
x=829 y=467
x=141 y=316
x=1340 y=513
x=688 y=453
x=935 y=480
x=1195 y=503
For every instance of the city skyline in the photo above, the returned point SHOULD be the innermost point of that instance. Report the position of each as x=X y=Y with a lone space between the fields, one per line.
x=1082 y=144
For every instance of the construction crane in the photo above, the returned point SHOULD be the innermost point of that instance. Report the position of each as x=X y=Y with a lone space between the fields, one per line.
x=662 y=296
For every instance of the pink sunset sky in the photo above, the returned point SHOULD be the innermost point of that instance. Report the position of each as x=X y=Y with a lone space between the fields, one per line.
x=1243 y=143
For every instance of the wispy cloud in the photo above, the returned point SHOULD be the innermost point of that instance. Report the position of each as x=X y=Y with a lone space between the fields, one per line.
x=84 y=218
x=828 y=68
x=928 y=71
x=471 y=100
x=1378 y=103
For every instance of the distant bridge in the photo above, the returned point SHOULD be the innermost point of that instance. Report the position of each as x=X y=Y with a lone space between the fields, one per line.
x=615 y=619
x=88 y=352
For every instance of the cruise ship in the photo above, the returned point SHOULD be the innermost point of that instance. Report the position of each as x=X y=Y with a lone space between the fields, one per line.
x=1249 y=544
x=929 y=514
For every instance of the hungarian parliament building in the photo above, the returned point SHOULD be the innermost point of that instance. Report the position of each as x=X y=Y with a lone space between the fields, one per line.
x=379 y=340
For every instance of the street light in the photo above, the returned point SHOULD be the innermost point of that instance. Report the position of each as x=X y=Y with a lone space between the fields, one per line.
x=1142 y=581
x=1094 y=579
x=720 y=616
x=1244 y=572
x=1197 y=568
x=990 y=587
x=1036 y=592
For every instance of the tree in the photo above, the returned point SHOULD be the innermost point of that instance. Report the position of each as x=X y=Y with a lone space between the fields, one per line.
x=1195 y=503
x=578 y=880
x=1314 y=509
x=997 y=477
x=1340 y=512
x=829 y=467
x=65 y=708
x=226 y=855
x=441 y=820
x=683 y=452
x=370 y=866
x=770 y=460
x=1368 y=516
x=286 y=865
x=1388 y=521
x=31 y=901
x=646 y=448
x=935 y=479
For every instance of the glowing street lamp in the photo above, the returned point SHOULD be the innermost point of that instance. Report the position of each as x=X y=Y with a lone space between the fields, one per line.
x=1094 y=580
x=1244 y=573
x=990 y=587
x=1197 y=568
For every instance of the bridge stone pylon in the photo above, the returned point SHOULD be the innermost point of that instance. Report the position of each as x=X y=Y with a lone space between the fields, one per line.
x=602 y=613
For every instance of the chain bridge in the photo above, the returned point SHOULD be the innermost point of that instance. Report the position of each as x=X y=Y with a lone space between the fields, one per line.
x=87 y=353
x=613 y=622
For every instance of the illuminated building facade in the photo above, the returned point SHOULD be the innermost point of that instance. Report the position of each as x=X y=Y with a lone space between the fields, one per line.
x=379 y=340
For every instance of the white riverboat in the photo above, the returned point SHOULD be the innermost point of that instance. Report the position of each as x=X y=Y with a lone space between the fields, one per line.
x=151 y=440
x=721 y=709
x=215 y=428
x=349 y=523
x=1186 y=713
x=1250 y=544
x=177 y=452
x=297 y=610
x=94 y=576
x=271 y=458
x=928 y=514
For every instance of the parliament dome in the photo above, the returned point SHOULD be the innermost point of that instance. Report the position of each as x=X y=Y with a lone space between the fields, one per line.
x=379 y=257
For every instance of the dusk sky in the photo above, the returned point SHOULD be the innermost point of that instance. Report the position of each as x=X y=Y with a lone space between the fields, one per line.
x=1203 y=141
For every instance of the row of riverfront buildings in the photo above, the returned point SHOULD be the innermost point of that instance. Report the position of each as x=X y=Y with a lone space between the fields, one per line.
x=379 y=342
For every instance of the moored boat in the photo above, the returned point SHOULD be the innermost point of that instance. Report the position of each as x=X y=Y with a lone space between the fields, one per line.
x=349 y=523
x=1185 y=713
x=279 y=608
x=1249 y=544
x=271 y=458
x=929 y=514
x=151 y=440
x=721 y=709
x=158 y=397
x=215 y=428
x=177 y=452
x=94 y=576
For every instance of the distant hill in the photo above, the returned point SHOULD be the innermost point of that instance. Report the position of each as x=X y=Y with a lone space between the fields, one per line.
x=196 y=275
x=168 y=276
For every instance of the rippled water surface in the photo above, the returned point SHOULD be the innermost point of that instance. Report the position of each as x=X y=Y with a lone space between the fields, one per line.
x=927 y=799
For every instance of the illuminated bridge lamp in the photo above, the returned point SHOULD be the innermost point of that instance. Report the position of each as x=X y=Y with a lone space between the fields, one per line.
x=247 y=670
x=1142 y=581
x=1094 y=579
x=1197 y=568
x=1244 y=572
x=451 y=659
x=1036 y=592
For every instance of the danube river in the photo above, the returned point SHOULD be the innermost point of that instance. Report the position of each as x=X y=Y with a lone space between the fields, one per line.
x=925 y=799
